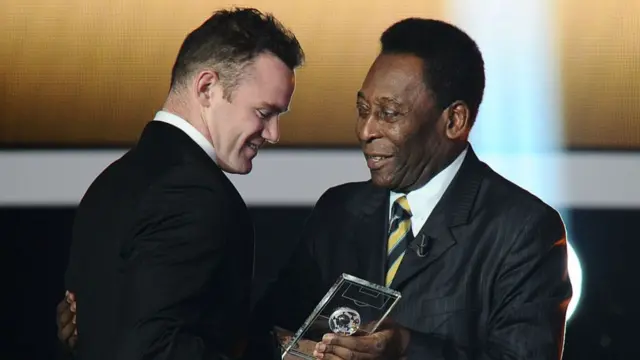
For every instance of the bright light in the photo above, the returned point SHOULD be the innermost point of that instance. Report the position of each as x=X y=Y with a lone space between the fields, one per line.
x=575 y=274
x=520 y=121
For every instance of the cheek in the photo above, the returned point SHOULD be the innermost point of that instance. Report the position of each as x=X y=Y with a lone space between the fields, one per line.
x=218 y=115
x=415 y=152
x=408 y=149
x=235 y=123
x=215 y=127
x=249 y=126
x=358 y=127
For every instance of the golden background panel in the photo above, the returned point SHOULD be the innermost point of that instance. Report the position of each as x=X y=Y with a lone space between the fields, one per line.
x=600 y=65
x=93 y=73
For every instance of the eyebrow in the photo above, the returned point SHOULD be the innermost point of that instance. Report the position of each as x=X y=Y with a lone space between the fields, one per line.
x=274 y=108
x=383 y=99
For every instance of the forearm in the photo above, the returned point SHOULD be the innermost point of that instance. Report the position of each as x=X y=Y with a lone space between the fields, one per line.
x=285 y=307
x=167 y=315
x=291 y=298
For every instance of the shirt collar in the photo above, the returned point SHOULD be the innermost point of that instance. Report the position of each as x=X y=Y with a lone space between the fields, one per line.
x=431 y=192
x=188 y=129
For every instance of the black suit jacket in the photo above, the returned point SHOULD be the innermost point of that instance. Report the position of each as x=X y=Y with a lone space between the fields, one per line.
x=162 y=256
x=493 y=284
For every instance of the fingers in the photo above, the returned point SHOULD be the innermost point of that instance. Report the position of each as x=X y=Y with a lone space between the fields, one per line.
x=62 y=305
x=71 y=300
x=66 y=326
x=68 y=303
x=72 y=341
x=373 y=343
x=334 y=352
x=66 y=332
x=66 y=319
x=349 y=347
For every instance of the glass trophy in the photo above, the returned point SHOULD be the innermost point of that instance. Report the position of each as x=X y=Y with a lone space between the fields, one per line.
x=352 y=307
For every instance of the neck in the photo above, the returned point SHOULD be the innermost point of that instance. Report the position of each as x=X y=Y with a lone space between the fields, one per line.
x=179 y=106
x=435 y=166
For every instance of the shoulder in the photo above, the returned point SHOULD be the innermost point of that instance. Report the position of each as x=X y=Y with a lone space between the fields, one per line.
x=345 y=194
x=517 y=207
x=183 y=187
x=182 y=202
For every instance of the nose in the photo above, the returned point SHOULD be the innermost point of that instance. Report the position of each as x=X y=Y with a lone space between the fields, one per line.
x=368 y=129
x=271 y=131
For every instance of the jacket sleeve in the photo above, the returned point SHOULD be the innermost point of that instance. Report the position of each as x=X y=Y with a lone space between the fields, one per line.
x=531 y=294
x=299 y=286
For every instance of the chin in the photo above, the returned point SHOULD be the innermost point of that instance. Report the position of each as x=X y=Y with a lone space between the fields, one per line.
x=380 y=181
x=239 y=169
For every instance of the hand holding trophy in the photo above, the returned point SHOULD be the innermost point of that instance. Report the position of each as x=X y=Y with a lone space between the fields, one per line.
x=352 y=307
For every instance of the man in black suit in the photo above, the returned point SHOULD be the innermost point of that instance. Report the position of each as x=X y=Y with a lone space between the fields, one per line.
x=481 y=263
x=162 y=254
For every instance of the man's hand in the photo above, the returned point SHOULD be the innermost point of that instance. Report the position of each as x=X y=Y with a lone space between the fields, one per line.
x=66 y=320
x=389 y=342
x=284 y=336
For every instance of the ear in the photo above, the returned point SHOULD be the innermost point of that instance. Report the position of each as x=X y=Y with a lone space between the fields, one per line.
x=204 y=86
x=457 y=120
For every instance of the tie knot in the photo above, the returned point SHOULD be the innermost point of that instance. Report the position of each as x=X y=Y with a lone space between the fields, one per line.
x=401 y=208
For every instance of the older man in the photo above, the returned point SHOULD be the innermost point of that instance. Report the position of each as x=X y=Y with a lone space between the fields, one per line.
x=481 y=263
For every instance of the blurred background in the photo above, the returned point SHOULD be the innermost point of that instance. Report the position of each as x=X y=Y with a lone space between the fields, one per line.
x=79 y=80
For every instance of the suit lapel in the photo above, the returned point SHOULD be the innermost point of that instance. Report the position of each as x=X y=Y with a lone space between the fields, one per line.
x=370 y=210
x=436 y=238
x=452 y=210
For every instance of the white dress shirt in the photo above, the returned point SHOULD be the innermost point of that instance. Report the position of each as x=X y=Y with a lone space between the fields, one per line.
x=423 y=200
x=188 y=129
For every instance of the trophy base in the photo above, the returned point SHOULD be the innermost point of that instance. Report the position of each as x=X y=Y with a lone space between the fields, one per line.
x=352 y=307
x=294 y=354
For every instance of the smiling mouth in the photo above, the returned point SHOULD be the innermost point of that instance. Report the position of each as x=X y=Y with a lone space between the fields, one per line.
x=253 y=146
x=375 y=162
x=376 y=158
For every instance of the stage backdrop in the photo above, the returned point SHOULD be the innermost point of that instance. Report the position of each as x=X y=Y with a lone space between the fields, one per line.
x=92 y=73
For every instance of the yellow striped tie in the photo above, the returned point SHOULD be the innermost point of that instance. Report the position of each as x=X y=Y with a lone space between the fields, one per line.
x=399 y=238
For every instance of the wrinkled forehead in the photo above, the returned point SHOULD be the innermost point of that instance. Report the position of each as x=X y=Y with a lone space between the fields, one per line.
x=396 y=76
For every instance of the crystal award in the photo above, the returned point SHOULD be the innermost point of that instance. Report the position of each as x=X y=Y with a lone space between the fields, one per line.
x=352 y=307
